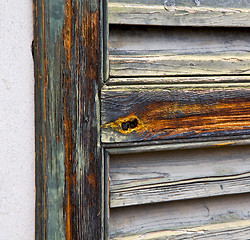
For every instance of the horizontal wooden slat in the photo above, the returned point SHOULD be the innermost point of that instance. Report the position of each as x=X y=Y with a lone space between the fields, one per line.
x=203 y=187
x=163 y=64
x=174 y=175
x=180 y=13
x=239 y=230
x=178 y=52
x=131 y=113
x=156 y=146
x=221 y=218
x=167 y=80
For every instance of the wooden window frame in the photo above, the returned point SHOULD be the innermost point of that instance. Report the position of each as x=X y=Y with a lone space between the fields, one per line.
x=69 y=59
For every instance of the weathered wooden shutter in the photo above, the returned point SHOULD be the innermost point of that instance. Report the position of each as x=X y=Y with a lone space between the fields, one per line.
x=176 y=120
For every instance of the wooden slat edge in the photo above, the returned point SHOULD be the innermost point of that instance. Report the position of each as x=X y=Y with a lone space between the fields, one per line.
x=161 y=146
x=179 y=64
x=106 y=161
x=185 y=189
x=176 y=80
x=220 y=231
x=198 y=111
x=126 y=12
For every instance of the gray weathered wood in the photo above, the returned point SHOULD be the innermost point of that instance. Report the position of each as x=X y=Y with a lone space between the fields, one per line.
x=156 y=146
x=180 y=13
x=181 y=174
x=166 y=80
x=155 y=51
x=106 y=160
x=163 y=64
x=237 y=230
x=184 y=219
x=176 y=115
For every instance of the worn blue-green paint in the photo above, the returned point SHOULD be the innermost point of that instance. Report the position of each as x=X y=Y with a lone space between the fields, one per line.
x=67 y=53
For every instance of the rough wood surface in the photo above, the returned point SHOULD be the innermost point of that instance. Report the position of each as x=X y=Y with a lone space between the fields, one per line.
x=105 y=30
x=180 y=174
x=131 y=113
x=106 y=160
x=181 y=217
x=166 y=80
x=157 y=51
x=180 y=13
x=237 y=230
x=67 y=55
x=156 y=146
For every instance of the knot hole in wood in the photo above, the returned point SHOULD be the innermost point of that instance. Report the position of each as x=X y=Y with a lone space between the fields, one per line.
x=129 y=124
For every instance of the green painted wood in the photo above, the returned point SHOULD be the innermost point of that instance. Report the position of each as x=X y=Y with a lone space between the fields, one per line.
x=67 y=51
x=180 y=13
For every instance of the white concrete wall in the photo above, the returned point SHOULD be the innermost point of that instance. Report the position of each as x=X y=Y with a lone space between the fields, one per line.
x=17 y=153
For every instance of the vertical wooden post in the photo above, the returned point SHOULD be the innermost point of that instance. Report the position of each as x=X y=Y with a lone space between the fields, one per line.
x=67 y=53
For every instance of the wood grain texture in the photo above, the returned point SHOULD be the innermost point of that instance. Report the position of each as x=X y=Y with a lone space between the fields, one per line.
x=181 y=144
x=239 y=230
x=68 y=72
x=106 y=157
x=131 y=113
x=180 y=13
x=180 y=174
x=105 y=30
x=181 y=217
x=163 y=64
x=158 y=51
x=166 y=80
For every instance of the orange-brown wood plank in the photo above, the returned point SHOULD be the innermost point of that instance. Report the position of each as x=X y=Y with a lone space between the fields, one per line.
x=174 y=112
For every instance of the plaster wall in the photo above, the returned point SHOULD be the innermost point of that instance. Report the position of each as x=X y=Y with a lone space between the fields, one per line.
x=17 y=153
